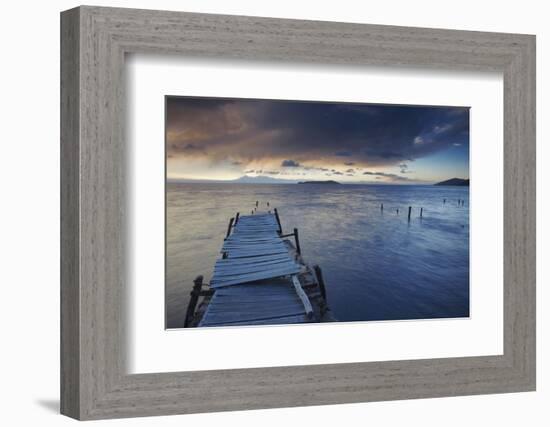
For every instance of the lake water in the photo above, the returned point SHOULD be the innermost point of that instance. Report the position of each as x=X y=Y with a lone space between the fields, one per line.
x=376 y=265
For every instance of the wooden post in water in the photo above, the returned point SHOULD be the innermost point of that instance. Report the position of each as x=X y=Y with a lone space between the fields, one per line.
x=397 y=211
x=421 y=209
x=409 y=216
x=237 y=218
x=320 y=281
x=297 y=240
x=382 y=207
x=444 y=200
x=278 y=220
x=195 y=293
x=229 y=227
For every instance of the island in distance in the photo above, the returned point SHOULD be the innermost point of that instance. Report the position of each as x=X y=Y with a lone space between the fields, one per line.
x=319 y=182
x=455 y=181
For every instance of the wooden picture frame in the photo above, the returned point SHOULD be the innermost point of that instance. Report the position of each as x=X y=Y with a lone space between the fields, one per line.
x=94 y=382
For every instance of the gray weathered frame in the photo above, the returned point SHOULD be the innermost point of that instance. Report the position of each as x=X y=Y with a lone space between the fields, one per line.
x=94 y=42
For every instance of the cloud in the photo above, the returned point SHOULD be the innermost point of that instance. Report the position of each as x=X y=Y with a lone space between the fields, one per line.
x=352 y=171
x=343 y=153
x=290 y=164
x=441 y=129
x=290 y=134
x=190 y=147
x=338 y=173
x=388 y=176
x=404 y=168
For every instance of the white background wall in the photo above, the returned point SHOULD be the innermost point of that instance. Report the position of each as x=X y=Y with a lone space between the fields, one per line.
x=29 y=212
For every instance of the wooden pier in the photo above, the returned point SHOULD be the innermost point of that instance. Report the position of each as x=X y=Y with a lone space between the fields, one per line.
x=259 y=279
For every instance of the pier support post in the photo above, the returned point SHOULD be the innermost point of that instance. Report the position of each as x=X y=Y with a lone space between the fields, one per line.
x=195 y=293
x=382 y=207
x=237 y=218
x=297 y=240
x=320 y=281
x=421 y=209
x=229 y=227
x=409 y=215
x=278 y=220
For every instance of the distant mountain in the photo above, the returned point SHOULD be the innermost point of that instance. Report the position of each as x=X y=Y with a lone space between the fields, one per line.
x=261 y=179
x=319 y=182
x=456 y=182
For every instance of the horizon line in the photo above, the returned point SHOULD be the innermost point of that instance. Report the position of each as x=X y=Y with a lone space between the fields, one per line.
x=279 y=181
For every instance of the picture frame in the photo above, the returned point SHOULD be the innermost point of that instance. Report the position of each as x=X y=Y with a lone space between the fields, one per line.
x=94 y=380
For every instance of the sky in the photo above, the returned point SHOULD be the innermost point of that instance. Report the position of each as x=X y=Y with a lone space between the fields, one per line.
x=225 y=139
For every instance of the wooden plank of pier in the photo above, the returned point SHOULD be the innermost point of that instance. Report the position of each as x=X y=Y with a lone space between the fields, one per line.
x=256 y=281
x=250 y=275
x=268 y=302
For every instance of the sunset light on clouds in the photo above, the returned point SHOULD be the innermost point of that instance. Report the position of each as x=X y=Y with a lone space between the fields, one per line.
x=225 y=139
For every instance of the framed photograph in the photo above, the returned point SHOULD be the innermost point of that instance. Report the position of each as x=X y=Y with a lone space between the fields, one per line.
x=278 y=213
x=347 y=175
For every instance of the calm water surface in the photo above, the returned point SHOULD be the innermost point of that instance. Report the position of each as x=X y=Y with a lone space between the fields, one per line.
x=376 y=265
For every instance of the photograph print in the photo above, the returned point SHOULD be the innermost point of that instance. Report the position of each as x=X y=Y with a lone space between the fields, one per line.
x=286 y=212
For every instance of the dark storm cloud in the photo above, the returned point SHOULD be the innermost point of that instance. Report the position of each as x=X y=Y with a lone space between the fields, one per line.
x=190 y=147
x=294 y=133
x=404 y=168
x=289 y=164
